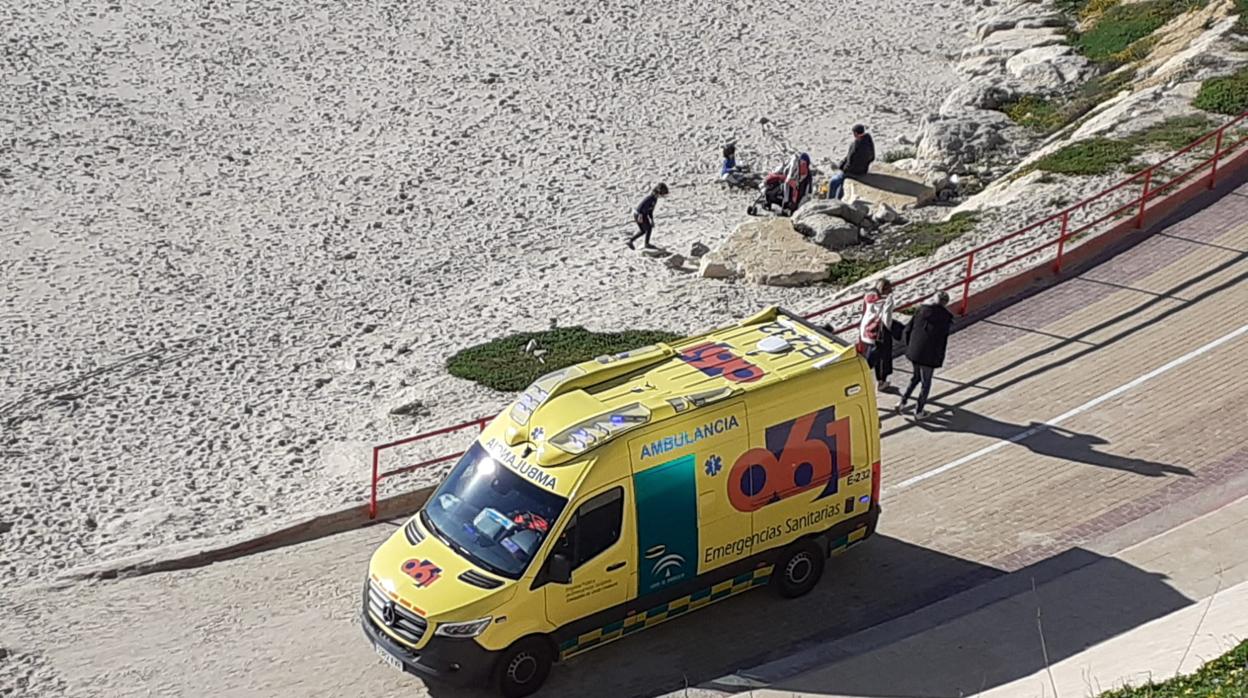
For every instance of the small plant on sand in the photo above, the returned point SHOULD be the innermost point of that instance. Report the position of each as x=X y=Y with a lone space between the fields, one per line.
x=1224 y=677
x=504 y=365
x=1094 y=156
x=1225 y=95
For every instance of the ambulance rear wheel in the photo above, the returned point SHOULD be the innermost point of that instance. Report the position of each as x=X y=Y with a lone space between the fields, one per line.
x=799 y=569
x=523 y=667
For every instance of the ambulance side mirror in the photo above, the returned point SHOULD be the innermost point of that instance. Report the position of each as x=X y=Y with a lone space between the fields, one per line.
x=559 y=569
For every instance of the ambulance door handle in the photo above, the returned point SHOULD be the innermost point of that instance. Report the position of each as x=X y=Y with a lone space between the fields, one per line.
x=616 y=566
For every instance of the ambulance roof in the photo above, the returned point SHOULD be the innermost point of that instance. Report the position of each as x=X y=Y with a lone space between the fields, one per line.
x=579 y=408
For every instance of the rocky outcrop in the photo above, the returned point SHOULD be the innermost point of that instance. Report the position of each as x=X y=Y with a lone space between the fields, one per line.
x=769 y=251
x=829 y=223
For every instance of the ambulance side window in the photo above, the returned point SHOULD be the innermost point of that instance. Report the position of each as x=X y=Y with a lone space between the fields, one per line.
x=593 y=528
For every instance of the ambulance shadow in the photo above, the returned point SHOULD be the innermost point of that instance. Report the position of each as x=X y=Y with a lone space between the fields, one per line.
x=990 y=637
x=1045 y=440
x=882 y=579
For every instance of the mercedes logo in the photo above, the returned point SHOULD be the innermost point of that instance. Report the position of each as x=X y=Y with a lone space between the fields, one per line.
x=387 y=613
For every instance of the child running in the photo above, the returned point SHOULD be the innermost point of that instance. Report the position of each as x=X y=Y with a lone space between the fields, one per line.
x=643 y=215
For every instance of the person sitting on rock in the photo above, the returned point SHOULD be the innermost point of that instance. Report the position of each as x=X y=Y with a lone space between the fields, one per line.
x=797 y=182
x=643 y=215
x=857 y=161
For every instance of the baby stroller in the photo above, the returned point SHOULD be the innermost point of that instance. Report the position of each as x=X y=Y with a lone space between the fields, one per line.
x=771 y=193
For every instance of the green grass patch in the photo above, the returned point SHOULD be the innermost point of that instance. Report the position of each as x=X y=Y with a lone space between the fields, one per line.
x=502 y=364
x=1120 y=26
x=922 y=239
x=1046 y=115
x=1225 y=95
x=1091 y=157
x=848 y=271
x=1241 y=8
x=1173 y=133
x=1224 y=677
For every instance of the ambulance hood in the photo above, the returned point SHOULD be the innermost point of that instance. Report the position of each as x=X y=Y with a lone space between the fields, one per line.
x=433 y=580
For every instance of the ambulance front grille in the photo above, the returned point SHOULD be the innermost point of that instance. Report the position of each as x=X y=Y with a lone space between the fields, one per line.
x=400 y=621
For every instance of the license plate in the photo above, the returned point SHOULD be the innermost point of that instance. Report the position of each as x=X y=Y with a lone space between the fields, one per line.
x=387 y=657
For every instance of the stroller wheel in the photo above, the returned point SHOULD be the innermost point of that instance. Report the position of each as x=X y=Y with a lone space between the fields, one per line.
x=752 y=210
x=785 y=212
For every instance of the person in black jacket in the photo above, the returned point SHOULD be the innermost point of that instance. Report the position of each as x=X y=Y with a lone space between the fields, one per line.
x=857 y=161
x=643 y=215
x=926 y=337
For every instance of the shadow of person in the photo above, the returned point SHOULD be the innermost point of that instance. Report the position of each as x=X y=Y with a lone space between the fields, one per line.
x=1046 y=440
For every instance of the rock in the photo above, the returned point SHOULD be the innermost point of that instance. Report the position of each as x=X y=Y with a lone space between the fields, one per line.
x=937 y=179
x=415 y=408
x=769 y=251
x=955 y=142
x=982 y=66
x=655 y=253
x=999 y=23
x=827 y=207
x=698 y=249
x=710 y=268
x=836 y=234
x=883 y=214
x=675 y=262
x=978 y=93
x=1047 y=68
x=1012 y=41
x=889 y=185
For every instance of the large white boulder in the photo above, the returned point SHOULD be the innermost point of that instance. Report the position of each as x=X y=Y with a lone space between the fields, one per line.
x=1047 y=68
x=769 y=251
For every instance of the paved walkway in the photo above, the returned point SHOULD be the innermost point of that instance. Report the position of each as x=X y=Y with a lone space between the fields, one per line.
x=980 y=651
x=1071 y=425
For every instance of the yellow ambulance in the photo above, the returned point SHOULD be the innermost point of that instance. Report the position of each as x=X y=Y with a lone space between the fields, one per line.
x=625 y=491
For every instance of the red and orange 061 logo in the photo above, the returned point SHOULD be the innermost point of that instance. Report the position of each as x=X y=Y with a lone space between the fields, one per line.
x=800 y=455
x=422 y=572
x=717 y=359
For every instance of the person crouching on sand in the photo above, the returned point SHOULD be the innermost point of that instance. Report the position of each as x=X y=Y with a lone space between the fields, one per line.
x=643 y=215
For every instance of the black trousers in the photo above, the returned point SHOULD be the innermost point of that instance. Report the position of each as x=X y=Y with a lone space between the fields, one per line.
x=922 y=375
x=644 y=227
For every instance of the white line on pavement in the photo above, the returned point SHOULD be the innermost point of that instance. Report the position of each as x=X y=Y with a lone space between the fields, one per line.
x=1067 y=415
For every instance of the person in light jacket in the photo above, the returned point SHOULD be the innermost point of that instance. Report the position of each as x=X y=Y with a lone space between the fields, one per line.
x=926 y=338
x=874 y=332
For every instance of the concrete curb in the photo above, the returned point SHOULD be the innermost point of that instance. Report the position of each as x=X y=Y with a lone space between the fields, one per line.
x=201 y=553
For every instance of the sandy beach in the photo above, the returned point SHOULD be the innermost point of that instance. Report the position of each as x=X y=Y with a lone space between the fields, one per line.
x=234 y=235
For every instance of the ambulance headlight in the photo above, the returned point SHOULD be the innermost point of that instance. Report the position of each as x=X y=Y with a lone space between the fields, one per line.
x=471 y=628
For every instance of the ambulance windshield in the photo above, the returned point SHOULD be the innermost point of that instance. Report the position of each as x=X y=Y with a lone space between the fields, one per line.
x=491 y=515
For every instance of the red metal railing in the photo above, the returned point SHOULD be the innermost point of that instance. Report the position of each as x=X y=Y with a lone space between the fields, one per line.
x=378 y=476
x=1136 y=207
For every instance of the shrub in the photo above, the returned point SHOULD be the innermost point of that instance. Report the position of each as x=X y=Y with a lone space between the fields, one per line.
x=927 y=237
x=1120 y=26
x=1037 y=113
x=1174 y=133
x=1241 y=25
x=1224 y=95
x=1091 y=157
x=1224 y=677
x=898 y=154
x=847 y=271
x=502 y=364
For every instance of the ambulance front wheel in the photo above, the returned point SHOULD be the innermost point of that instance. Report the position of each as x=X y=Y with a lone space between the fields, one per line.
x=799 y=569
x=523 y=667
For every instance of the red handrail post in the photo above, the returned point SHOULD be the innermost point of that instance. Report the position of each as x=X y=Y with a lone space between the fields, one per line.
x=1061 y=241
x=966 y=283
x=1217 y=151
x=372 y=498
x=1139 y=218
